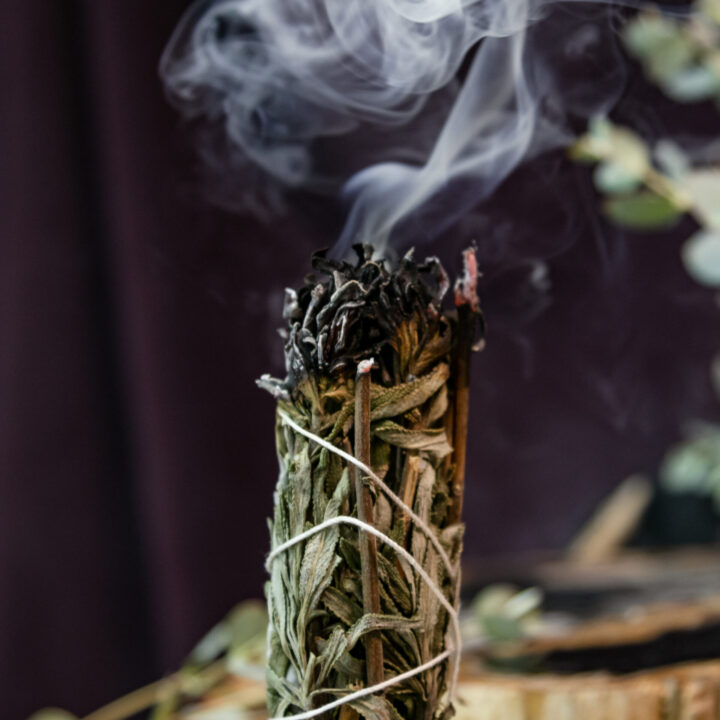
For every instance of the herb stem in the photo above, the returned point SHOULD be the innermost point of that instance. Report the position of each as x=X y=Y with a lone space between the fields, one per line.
x=365 y=510
x=468 y=313
x=145 y=697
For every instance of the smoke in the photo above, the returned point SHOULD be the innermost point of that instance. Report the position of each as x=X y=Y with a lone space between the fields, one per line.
x=282 y=78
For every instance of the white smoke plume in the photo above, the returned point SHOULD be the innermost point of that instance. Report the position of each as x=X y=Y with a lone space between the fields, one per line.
x=282 y=76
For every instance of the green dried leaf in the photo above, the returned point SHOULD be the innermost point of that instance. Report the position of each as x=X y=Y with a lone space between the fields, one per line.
x=430 y=440
x=395 y=583
x=643 y=211
x=369 y=623
x=438 y=406
x=332 y=650
x=393 y=401
x=318 y=564
x=374 y=707
x=341 y=605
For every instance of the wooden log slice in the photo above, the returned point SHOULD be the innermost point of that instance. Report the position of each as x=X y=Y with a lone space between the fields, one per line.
x=685 y=692
x=627 y=623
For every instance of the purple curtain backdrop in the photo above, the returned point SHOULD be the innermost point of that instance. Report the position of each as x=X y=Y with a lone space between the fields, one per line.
x=136 y=454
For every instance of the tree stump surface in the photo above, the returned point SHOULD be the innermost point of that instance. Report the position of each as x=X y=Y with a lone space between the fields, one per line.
x=684 y=692
x=640 y=640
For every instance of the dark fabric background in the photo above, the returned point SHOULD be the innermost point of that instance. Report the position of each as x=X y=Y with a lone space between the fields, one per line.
x=136 y=455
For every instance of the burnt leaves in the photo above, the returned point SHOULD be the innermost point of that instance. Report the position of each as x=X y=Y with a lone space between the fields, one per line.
x=355 y=311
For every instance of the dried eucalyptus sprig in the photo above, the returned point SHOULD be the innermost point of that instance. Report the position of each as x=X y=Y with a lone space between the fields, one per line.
x=652 y=188
x=693 y=466
x=680 y=54
x=233 y=649
x=345 y=614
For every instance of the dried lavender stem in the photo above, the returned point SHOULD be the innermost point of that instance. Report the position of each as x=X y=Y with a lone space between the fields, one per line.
x=365 y=510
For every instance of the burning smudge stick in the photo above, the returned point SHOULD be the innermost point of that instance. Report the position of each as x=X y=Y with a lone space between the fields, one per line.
x=369 y=354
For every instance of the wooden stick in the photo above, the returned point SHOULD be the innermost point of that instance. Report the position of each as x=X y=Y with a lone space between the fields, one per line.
x=613 y=522
x=468 y=312
x=365 y=510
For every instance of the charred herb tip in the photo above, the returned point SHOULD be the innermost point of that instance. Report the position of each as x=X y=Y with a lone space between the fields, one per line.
x=347 y=311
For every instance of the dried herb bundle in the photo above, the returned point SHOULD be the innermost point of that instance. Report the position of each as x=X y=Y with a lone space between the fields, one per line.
x=346 y=611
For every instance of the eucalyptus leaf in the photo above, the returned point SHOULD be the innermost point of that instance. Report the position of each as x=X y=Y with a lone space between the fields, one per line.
x=710 y=9
x=643 y=211
x=609 y=177
x=52 y=714
x=685 y=469
x=671 y=58
x=503 y=612
x=213 y=644
x=502 y=629
x=701 y=255
x=671 y=159
x=584 y=151
x=715 y=374
x=681 y=55
x=648 y=33
x=660 y=44
x=703 y=186
x=712 y=61
x=596 y=144
x=713 y=483
x=693 y=84
x=628 y=151
x=523 y=603
x=693 y=466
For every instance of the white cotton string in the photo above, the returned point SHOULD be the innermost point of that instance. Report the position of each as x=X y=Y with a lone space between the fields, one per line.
x=378 y=481
x=367 y=691
x=400 y=550
x=452 y=611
